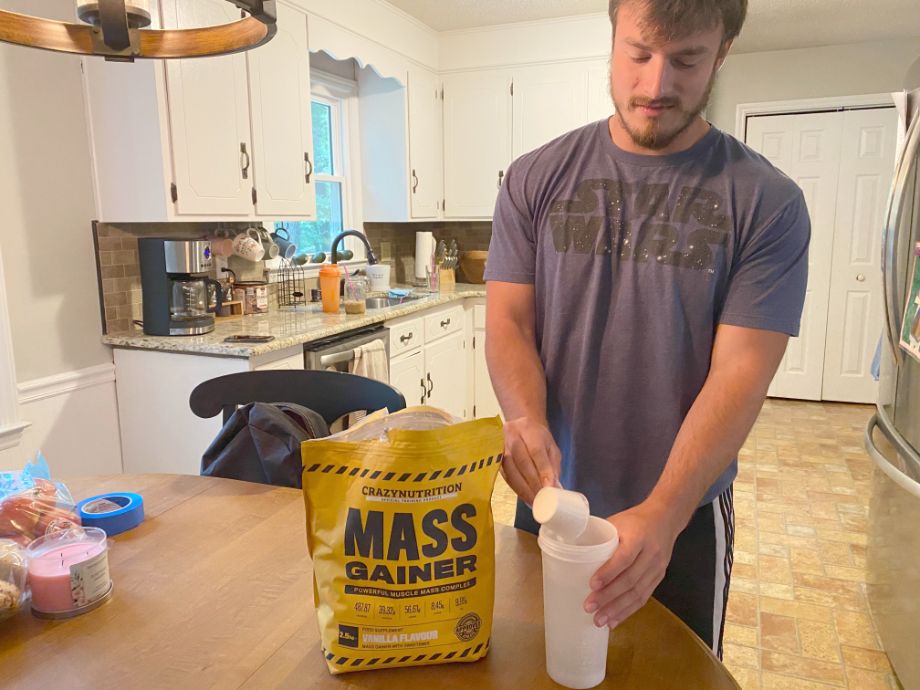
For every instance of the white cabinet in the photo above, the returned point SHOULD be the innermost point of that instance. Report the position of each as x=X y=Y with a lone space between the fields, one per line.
x=426 y=176
x=428 y=359
x=407 y=375
x=401 y=145
x=445 y=376
x=485 y=404
x=549 y=100
x=493 y=116
x=205 y=138
x=282 y=125
x=477 y=141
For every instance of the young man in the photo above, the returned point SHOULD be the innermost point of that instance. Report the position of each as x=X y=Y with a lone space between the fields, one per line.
x=644 y=276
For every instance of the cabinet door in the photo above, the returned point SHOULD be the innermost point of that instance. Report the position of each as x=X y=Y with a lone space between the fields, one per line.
x=477 y=141
x=549 y=100
x=282 y=132
x=426 y=178
x=446 y=374
x=209 y=119
x=486 y=404
x=407 y=375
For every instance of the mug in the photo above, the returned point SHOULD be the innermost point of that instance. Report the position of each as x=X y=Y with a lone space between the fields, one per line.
x=248 y=245
x=287 y=249
x=221 y=246
x=271 y=249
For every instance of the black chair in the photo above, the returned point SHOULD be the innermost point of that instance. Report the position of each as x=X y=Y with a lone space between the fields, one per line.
x=329 y=393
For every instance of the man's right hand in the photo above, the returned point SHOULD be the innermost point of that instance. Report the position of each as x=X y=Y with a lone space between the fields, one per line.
x=532 y=459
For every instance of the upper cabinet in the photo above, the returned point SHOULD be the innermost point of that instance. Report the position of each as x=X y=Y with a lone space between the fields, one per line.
x=492 y=117
x=477 y=141
x=208 y=138
x=401 y=145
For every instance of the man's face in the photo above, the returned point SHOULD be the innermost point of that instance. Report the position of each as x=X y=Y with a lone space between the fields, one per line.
x=658 y=86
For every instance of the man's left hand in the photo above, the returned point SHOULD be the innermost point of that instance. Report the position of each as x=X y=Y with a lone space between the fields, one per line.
x=624 y=584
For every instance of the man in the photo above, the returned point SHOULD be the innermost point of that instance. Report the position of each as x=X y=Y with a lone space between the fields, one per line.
x=644 y=276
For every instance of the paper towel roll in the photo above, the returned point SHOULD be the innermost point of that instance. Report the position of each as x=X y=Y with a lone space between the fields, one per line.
x=424 y=246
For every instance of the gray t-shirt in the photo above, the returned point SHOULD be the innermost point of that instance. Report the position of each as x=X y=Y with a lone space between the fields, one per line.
x=635 y=260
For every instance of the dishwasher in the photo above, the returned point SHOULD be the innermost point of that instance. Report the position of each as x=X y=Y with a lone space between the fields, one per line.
x=338 y=352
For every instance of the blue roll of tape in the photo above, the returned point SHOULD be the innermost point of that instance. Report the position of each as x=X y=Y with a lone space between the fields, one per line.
x=115 y=513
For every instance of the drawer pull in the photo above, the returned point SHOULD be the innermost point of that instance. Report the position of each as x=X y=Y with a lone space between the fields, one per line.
x=445 y=323
x=405 y=338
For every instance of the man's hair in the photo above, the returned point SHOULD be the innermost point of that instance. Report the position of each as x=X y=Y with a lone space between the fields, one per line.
x=674 y=19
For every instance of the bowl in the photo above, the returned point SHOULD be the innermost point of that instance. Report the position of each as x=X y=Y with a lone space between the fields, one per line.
x=473 y=264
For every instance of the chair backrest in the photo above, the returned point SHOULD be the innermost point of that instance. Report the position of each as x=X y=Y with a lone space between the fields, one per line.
x=329 y=393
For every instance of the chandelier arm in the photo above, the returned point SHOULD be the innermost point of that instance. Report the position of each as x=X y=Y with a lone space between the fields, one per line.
x=114 y=23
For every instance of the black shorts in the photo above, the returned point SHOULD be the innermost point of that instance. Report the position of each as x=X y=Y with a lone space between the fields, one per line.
x=695 y=586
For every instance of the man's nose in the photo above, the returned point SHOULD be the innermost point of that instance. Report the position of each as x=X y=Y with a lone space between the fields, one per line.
x=659 y=77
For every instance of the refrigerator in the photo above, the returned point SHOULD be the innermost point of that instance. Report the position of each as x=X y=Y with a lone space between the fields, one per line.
x=892 y=436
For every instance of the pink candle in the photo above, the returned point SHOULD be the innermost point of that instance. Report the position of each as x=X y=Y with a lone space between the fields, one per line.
x=68 y=570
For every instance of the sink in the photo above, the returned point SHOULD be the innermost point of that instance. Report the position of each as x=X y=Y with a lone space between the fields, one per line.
x=384 y=302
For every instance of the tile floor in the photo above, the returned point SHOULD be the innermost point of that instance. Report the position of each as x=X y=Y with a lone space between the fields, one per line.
x=797 y=617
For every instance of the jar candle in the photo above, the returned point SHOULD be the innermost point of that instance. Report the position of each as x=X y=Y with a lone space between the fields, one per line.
x=69 y=572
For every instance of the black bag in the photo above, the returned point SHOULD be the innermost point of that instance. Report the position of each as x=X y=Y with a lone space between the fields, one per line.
x=261 y=443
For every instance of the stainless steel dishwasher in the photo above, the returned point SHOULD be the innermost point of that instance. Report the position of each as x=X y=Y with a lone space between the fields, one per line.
x=338 y=351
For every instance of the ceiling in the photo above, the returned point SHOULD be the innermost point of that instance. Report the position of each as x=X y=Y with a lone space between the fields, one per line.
x=771 y=24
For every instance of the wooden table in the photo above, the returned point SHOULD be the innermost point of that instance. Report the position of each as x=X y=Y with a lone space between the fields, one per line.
x=214 y=590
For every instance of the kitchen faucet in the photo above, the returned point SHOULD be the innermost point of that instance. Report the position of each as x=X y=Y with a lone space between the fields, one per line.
x=334 y=254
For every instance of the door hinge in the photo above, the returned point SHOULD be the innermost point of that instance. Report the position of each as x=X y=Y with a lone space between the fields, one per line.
x=474 y=342
x=512 y=87
x=255 y=197
x=442 y=93
x=444 y=205
x=174 y=192
x=474 y=411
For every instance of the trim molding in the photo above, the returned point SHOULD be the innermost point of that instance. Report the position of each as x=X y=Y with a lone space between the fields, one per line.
x=12 y=435
x=66 y=382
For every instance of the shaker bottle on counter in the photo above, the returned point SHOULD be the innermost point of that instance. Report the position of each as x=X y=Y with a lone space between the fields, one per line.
x=329 y=276
x=576 y=649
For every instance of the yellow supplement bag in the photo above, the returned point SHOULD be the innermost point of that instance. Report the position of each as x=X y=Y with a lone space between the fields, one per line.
x=399 y=527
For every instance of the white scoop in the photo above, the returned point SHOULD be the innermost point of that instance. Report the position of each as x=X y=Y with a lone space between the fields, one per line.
x=565 y=513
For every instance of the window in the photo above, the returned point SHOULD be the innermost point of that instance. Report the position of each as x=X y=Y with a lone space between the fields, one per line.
x=335 y=169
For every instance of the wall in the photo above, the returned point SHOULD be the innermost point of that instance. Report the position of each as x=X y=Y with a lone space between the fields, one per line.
x=49 y=260
x=841 y=70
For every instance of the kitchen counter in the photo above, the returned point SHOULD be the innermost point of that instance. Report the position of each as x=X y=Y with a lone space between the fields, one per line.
x=290 y=325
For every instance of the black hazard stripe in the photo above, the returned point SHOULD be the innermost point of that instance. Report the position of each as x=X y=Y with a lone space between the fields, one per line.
x=352 y=471
x=379 y=661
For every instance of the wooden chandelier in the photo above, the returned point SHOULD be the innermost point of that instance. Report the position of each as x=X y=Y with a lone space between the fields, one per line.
x=117 y=34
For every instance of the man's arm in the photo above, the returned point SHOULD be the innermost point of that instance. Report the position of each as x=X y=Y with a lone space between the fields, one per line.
x=532 y=458
x=744 y=361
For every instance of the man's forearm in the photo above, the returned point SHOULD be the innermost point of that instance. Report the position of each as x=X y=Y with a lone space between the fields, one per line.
x=516 y=371
x=709 y=439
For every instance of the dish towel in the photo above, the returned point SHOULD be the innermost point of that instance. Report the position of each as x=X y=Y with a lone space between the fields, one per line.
x=371 y=361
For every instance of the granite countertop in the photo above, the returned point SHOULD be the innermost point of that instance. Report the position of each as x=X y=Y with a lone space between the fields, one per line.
x=290 y=325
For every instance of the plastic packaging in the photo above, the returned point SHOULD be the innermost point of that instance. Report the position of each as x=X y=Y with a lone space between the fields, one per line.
x=399 y=526
x=13 y=571
x=30 y=503
x=576 y=649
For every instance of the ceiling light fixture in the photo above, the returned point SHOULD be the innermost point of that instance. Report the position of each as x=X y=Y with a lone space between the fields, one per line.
x=115 y=30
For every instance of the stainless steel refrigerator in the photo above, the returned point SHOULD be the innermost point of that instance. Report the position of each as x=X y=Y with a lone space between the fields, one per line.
x=893 y=434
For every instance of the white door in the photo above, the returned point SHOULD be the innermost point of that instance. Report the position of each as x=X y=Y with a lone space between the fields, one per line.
x=446 y=374
x=407 y=375
x=549 y=100
x=807 y=148
x=426 y=178
x=600 y=102
x=209 y=119
x=282 y=133
x=484 y=396
x=477 y=141
x=855 y=314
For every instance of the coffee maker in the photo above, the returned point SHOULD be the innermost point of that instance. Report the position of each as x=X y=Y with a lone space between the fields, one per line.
x=175 y=279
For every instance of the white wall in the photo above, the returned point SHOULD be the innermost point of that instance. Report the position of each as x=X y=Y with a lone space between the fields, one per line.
x=842 y=70
x=49 y=260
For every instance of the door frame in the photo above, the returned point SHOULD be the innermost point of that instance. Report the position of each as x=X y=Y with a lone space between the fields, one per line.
x=806 y=105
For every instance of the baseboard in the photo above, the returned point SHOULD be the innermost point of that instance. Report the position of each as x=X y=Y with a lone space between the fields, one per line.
x=66 y=382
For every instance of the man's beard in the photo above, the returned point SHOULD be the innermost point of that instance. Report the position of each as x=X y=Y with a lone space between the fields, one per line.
x=652 y=137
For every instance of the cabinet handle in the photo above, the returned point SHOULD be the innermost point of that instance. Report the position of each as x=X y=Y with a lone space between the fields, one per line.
x=244 y=160
x=445 y=323
x=405 y=338
x=308 y=165
x=424 y=391
x=430 y=385
x=501 y=176
x=415 y=182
